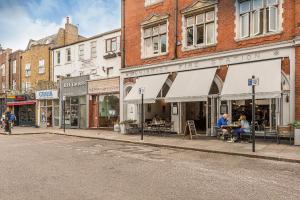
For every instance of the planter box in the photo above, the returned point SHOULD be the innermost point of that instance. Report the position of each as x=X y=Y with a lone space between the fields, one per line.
x=297 y=137
x=123 y=128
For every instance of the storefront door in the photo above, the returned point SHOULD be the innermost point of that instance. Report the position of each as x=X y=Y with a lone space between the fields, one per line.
x=74 y=112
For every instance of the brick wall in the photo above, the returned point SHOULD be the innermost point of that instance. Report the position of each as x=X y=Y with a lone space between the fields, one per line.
x=135 y=13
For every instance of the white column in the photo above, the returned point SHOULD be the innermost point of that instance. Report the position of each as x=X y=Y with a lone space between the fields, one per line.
x=292 y=85
x=122 y=106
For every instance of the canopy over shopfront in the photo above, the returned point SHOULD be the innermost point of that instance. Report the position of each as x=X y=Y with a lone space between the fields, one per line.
x=152 y=86
x=236 y=82
x=191 y=86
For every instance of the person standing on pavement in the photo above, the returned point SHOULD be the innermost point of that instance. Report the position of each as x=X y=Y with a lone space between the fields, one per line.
x=7 y=121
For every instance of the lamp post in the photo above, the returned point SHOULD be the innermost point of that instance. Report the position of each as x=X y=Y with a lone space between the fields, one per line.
x=141 y=92
x=64 y=110
x=253 y=82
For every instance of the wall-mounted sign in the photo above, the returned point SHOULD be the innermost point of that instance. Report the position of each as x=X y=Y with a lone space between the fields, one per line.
x=102 y=86
x=20 y=98
x=46 y=94
x=74 y=86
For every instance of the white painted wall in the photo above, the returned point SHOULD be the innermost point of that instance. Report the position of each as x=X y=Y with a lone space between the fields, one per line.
x=79 y=67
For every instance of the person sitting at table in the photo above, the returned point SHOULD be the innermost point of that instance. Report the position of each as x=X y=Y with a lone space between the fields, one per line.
x=245 y=128
x=223 y=123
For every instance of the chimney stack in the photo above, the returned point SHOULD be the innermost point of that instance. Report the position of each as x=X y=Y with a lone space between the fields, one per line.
x=68 y=20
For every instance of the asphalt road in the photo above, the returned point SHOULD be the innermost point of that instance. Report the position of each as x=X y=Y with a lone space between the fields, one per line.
x=42 y=167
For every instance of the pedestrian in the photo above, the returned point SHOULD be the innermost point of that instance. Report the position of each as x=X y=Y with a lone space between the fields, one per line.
x=12 y=120
x=7 y=121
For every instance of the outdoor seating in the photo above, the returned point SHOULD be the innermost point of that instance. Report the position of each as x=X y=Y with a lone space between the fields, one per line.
x=284 y=132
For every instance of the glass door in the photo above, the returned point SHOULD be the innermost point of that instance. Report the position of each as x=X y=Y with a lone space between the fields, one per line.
x=74 y=112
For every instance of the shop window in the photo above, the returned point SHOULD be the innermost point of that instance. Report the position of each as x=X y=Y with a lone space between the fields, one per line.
x=155 y=40
x=258 y=17
x=200 y=29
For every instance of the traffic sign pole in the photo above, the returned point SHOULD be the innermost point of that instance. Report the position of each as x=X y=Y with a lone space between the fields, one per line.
x=253 y=114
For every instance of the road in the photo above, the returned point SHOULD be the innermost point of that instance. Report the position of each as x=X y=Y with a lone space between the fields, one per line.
x=52 y=167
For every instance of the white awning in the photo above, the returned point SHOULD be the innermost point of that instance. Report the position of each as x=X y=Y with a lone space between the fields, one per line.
x=236 y=82
x=191 y=86
x=152 y=86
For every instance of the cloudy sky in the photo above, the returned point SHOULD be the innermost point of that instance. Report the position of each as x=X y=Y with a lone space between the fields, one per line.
x=22 y=20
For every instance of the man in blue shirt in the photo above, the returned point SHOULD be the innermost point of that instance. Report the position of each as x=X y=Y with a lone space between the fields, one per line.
x=222 y=123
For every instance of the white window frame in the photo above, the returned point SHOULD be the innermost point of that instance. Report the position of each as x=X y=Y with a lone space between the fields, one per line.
x=194 y=25
x=159 y=34
x=3 y=69
x=263 y=27
x=14 y=66
x=42 y=68
x=27 y=70
x=81 y=52
x=152 y=2
x=109 y=45
x=68 y=55
x=58 y=57
x=94 y=49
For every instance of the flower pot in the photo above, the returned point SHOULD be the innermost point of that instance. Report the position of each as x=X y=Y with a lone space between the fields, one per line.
x=297 y=137
x=117 y=128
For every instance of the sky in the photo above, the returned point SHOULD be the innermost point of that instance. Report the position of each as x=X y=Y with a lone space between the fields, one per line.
x=22 y=20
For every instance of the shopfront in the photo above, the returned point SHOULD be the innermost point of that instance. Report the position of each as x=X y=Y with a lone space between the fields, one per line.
x=104 y=102
x=48 y=108
x=205 y=88
x=74 y=107
x=24 y=108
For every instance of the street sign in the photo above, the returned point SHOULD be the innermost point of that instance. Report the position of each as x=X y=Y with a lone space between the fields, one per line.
x=141 y=90
x=253 y=81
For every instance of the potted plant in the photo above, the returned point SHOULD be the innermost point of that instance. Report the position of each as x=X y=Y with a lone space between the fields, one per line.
x=125 y=125
x=117 y=126
x=296 y=126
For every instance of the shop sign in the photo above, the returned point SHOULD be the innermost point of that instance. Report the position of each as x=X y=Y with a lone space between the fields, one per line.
x=75 y=86
x=20 y=98
x=103 y=86
x=47 y=94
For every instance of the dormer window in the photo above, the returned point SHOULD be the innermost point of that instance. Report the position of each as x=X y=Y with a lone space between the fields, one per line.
x=258 y=17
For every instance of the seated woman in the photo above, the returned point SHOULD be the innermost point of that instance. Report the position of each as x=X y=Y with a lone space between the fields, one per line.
x=245 y=127
x=155 y=120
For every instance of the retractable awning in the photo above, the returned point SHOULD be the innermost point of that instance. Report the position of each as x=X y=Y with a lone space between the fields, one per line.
x=152 y=86
x=20 y=103
x=236 y=82
x=191 y=86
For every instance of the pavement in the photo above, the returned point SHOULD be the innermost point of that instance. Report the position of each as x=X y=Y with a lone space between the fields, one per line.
x=50 y=167
x=264 y=149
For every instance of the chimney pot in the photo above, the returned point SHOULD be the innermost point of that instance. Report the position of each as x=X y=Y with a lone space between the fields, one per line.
x=68 y=20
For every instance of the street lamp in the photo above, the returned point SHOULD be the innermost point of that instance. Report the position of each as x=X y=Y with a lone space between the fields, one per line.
x=64 y=110
x=141 y=92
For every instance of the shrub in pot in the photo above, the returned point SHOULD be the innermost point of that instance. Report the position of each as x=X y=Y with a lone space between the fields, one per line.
x=296 y=126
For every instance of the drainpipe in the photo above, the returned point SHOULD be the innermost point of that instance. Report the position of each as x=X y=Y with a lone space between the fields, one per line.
x=176 y=27
x=49 y=62
x=20 y=76
x=123 y=34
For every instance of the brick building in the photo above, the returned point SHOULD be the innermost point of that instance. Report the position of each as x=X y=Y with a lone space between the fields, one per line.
x=193 y=58
x=34 y=72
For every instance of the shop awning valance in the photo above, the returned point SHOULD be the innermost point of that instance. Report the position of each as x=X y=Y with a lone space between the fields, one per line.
x=20 y=103
x=236 y=82
x=191 y=86
x=152 y=86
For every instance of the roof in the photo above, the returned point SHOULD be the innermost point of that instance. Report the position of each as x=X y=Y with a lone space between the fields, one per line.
x=46 y=40
x=87 y=39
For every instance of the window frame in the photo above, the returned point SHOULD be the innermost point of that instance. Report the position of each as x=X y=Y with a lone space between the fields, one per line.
x=93 y=49
x=58 y=57
x=27 y=70
x=109 y=43
x=42 y=66
x=160 y=34
x=68 y=55
x=196 y=23
x=14 y=66
x=262 y=11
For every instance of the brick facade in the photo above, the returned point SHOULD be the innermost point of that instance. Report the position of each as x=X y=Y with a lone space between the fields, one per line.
x=136 y=13
x=226 y=40
x=4 y=61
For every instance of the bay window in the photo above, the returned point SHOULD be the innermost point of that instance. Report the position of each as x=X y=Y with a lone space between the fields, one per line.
x=200 y=29
x=155 y=40
x=258 y=17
